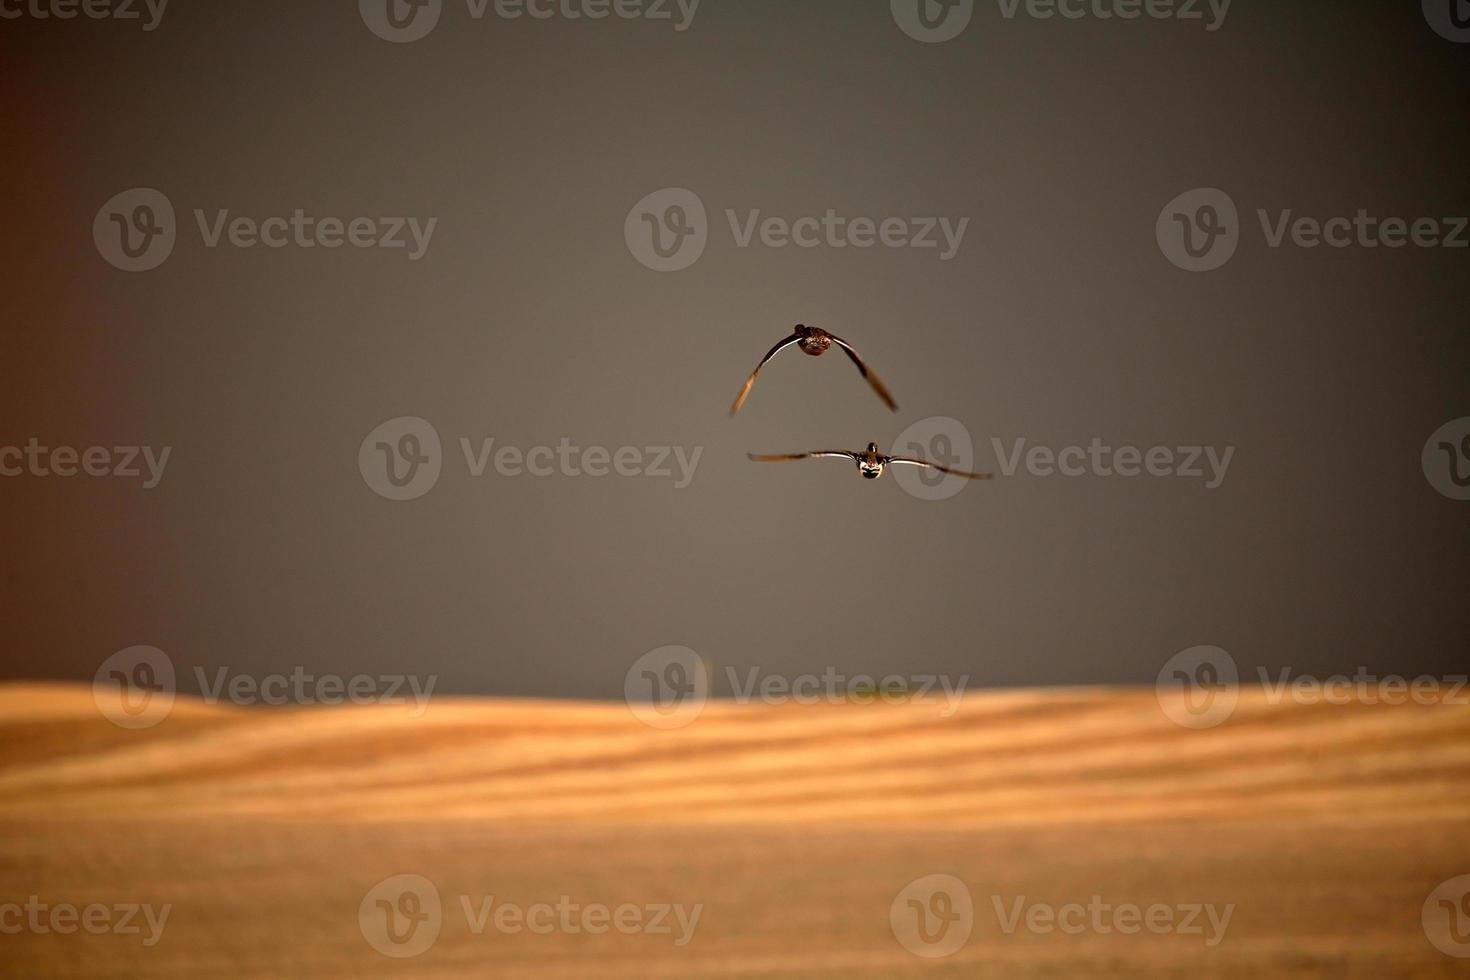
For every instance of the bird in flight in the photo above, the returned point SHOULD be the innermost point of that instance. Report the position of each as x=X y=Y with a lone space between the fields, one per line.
x=816 y=342
x=870 y=462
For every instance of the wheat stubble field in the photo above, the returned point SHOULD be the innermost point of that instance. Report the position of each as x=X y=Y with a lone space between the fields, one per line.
x=793 y=828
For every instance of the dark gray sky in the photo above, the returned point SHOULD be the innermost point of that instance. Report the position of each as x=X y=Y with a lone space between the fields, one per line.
x=528 y=319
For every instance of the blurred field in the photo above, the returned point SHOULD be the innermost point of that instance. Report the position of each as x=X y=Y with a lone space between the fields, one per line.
x=793 y=827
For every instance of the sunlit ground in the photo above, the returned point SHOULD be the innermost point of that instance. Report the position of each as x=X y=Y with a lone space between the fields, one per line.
x=779 y=841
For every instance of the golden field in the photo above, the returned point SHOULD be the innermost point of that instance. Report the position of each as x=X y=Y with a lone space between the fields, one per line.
x=793 y=829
